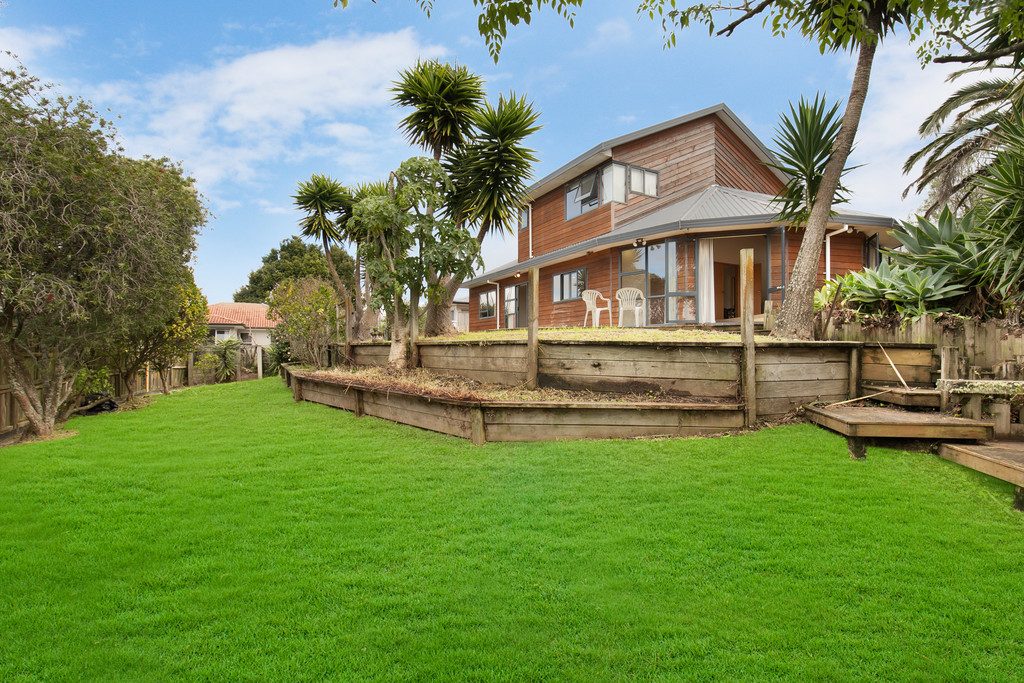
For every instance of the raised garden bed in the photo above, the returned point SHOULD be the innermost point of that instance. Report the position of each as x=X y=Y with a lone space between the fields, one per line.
x=482 y=419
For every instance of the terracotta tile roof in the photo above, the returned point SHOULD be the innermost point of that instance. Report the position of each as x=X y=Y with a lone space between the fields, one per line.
x=250 y=315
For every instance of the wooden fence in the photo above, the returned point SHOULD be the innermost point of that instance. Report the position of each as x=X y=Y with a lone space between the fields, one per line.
x=985 y=348
x=147 y=381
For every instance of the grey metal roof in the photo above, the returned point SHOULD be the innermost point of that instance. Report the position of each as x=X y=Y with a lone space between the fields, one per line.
x=602 y=152
x=713 y=210
x=717 y=203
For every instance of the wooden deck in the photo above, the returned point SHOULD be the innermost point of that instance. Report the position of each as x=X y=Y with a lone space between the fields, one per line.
x=1002 y=460
x=856 y=421
x=914 y=397
x=858 y=424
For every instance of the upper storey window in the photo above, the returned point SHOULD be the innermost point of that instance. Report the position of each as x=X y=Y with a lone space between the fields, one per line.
x=642 y=181
x=594 y=189
x=607 y=184
x=524 y=218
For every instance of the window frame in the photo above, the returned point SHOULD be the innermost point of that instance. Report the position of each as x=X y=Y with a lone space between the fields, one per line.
x=645 y=173
x=599 y=199
x=491 y=295
x=557 y=292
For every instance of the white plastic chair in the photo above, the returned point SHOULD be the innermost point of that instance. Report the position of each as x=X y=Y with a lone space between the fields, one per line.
x=632 y=300
x=591 y=298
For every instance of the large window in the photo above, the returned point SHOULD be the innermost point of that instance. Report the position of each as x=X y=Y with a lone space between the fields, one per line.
x=569 y=286
x=488 y=303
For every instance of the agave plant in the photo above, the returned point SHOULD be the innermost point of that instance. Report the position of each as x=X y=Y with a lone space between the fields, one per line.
x=1002 y=187
x=957 y=246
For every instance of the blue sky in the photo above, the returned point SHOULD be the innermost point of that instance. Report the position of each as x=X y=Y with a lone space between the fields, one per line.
x=253 y=97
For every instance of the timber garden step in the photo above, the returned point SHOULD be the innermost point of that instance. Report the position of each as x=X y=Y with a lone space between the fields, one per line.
x=859 y=423
x=912 y=397
x=1002 y=460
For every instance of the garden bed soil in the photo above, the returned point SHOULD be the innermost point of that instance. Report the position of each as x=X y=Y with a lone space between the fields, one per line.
x=426 y=384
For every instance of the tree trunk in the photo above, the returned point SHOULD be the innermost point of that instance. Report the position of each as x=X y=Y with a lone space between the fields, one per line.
x=439 y=321
x=39 y=405
x=398 y=357
x=367 y=323
x=796 y=317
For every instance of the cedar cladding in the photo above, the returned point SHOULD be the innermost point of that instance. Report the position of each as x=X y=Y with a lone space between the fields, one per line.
x=736 y=166
x=683 y=156
x=847 y=253
x=602 y=271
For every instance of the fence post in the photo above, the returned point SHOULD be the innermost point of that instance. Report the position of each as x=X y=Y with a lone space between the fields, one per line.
x=749 y=379
x=532 y=349
x=855 y=355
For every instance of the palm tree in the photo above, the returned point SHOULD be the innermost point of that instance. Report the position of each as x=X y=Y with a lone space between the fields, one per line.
x=974 y=115
x=319 y=197
x=443 y=99
x=490 y=176
x=491 y=172
x=803 y=147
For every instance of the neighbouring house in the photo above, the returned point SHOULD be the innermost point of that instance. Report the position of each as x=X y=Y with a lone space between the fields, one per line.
x=246 y=322
x=459 y=313
x=665 y=210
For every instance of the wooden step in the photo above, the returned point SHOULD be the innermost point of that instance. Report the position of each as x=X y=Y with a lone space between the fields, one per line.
x=870 y=422
x=914 y=397
x=1002 y=460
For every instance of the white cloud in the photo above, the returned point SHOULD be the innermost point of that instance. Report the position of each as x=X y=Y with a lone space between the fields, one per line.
x=29 y=44
x=231 y=121
x=616 y=31
x=900 y=96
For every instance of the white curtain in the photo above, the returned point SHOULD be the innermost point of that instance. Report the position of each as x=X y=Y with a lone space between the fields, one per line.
x=705 y=281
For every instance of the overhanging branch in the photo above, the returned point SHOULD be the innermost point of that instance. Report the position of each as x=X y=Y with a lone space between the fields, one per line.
x=752 y=12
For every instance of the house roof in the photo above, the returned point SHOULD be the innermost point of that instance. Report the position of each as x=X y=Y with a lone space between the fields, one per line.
x=708 y=211
x=603 y=152
x=716 y=206
x=247 y=315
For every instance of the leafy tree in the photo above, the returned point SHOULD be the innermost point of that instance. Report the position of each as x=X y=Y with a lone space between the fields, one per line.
x=481 y=148
x=92 y=243
x=834 y=25
x=292 y=260
x=185 y=332
x=407 y=240
x=307 y=313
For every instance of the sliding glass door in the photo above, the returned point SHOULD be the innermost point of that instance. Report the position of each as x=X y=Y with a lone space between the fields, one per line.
x=666 y=273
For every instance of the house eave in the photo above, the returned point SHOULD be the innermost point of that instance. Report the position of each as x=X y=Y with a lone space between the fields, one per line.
x=625 y=236
x=603 y=152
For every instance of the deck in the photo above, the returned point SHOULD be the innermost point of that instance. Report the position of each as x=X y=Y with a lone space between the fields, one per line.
x=869 y=422
x=1002 y=460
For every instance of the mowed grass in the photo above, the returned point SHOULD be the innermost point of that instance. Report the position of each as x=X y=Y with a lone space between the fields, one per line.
x=228 y=533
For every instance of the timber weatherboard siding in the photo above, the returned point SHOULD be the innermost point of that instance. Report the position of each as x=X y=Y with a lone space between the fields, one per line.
x=689 y=157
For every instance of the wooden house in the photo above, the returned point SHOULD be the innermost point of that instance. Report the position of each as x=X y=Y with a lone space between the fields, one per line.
x=666 y=210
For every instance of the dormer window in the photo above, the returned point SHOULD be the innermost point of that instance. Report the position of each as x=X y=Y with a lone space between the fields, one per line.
x=594 y=189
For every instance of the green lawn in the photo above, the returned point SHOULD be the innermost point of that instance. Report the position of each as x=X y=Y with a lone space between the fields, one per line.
x=227 y=533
